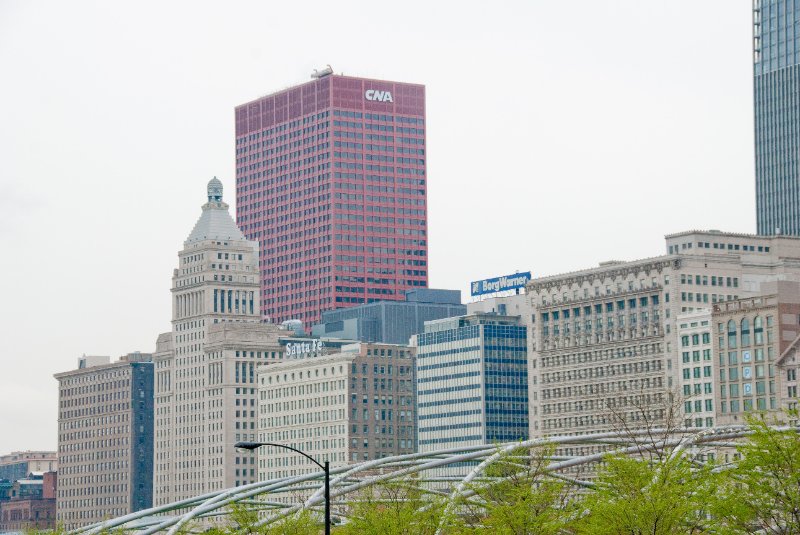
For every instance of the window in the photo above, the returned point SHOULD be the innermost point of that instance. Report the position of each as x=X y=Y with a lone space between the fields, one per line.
x=732 y=334
x=758 y=330
x=745 y=332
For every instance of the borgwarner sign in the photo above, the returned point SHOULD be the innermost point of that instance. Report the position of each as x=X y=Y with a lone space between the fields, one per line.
x=501 y=284
x=380 y=96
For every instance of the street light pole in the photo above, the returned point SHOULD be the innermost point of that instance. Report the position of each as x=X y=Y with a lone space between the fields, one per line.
x=327 y=499
x=254 y=445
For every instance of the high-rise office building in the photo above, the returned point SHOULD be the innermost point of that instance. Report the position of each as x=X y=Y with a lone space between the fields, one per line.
x=331 y=180
x=105 y=439
x=776 y=88
x=205 y=388
x=472 y=381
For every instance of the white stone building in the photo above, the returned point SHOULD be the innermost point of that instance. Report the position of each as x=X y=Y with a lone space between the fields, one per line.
x=603 y=344
x=205 y=368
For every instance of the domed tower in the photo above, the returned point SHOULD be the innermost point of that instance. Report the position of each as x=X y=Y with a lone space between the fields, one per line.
x=215 y=284
x=214 y=190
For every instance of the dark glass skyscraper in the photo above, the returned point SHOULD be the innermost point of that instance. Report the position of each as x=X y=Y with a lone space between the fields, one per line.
x=776 y=71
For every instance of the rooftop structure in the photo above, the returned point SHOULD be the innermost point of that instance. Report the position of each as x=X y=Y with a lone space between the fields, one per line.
x=391 y=322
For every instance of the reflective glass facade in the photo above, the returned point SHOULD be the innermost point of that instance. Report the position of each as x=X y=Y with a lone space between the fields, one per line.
x=776 y=56
x=331 y=181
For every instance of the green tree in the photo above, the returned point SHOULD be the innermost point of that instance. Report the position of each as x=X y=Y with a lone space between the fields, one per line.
x=394 y=508
x=637 y=496
x=762 y=493
x=518 y=496
x=245 y=520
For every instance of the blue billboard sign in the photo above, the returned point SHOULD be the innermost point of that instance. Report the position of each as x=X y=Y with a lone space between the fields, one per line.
x=500 y=284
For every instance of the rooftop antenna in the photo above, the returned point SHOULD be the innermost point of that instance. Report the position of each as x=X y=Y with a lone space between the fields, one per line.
x=327 y=71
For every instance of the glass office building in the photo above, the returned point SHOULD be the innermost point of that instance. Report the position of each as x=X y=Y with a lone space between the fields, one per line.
x=776 y=71
x=472 y=381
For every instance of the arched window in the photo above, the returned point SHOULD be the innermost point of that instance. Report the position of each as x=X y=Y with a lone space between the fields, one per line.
x=731 y=334
x=758 y=330
x=745 y=332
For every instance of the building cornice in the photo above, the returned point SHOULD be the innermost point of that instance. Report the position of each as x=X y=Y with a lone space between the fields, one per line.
x=648 y=266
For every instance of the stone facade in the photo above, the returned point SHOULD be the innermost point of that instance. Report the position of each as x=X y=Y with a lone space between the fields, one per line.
x=603 y=343
x=205 y=368
x=344 y=408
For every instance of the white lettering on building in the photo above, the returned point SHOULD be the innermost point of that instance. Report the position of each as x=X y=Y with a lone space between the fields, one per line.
x=302 y=349
x=380 y=96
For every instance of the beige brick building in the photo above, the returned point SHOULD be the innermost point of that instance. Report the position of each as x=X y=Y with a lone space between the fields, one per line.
x=346 y=407
x=105 y=439
x=603 y=344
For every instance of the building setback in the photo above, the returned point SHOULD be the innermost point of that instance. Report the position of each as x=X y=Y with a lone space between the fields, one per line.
x=776 y=90
x=105 y=439
x=331 y=180
x=604 y=343
x=391 y=322
x=205 y=368
x=345 y=408
x=472 y=381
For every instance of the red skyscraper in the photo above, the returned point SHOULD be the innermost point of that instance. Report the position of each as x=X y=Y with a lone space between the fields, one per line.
x=331 y=181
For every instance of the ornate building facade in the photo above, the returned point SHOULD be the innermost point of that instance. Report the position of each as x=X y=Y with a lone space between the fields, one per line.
x=205 y=368
x=604 y=346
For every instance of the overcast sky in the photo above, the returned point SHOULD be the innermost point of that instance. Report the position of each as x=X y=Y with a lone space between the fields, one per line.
x=560 y=134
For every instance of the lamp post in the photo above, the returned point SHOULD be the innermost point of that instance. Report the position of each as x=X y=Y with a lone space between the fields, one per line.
x=255 y=445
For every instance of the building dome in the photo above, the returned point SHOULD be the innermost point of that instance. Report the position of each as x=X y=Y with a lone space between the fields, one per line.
x=214 y=190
